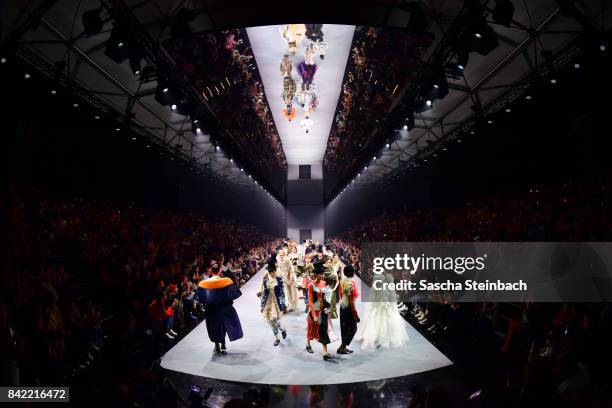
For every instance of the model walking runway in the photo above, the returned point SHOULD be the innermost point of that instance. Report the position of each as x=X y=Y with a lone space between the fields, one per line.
x=255 y=359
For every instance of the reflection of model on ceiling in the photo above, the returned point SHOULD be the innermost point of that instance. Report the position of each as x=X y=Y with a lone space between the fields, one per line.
x=304 y=95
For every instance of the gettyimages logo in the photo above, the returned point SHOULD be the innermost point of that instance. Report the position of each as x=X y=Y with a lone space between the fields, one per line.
x=422 y=263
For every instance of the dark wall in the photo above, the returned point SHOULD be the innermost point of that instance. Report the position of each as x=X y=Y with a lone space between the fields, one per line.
x=49 y=143
x=563 y=132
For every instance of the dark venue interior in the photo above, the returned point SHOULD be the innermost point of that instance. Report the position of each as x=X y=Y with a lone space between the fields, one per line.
x=175 y=172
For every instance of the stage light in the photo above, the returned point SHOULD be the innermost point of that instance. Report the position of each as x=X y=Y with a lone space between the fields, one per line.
x=115 y=46
x=387 y=145
x=231 y=160
x=97 y=117
x=173 y=107
x=164 y=94
x=405 y=127
x=553 y=81
x=508 y=110
x=117 y=129
x=528 y=97
x=217 y=148
x=602 y=47
x=365 y=167
x=76 y=105
x=486 y=42
x=135 y=66
x=53 y=92
x=490 y=122
x=147 y=146
x=3 y=60
x=472 y=132
x=428 y=102
x=503 y=12
x=133 y=137
x=27 y=76
x=195 y=121
x=198 y=130
x=92 y=22
x=577 y=65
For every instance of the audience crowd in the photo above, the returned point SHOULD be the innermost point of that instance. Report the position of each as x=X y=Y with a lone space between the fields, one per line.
x=374 y=77
x=550 y=354
x=232 y=85
x=84 y=278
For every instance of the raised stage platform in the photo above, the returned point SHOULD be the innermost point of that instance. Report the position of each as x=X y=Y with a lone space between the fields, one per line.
x=253 y=359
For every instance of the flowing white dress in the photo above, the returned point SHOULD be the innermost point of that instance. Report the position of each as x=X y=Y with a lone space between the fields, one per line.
x=382 y=326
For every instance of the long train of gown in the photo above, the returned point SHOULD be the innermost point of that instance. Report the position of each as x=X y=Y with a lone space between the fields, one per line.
x=382 y=325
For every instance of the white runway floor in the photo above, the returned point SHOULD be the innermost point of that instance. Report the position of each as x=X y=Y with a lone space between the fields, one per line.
x=254 y=359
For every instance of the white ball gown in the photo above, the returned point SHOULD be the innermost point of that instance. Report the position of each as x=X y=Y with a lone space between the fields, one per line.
x=382 y=326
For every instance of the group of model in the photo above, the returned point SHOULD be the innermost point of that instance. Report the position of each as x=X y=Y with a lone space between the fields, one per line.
x=329 y=293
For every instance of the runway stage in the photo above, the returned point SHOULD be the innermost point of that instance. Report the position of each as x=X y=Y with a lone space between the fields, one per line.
x=253 y=359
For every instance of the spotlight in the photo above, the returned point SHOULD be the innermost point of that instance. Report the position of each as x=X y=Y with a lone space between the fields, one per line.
x=92 y=22
x=490 y=122
x=195 y=121
x=53 y=92
x=503 y=12
x=173 y=107
x=133 y=137
x=528 y=97
x=164 y=94
x=27 y=76
x=117 y=129
x=3 y=60
x=198 y=130
x=486 y=42
x=577 y=65
x=405 y=127
x=387 y=145
x=148 y=146
x=553 y=81
x=508 y=110
x=428 y=102
x=97 y=117
x=76 y=105
x=115 y=46
x=135 y=65
x=135 y=53
x=602 y=47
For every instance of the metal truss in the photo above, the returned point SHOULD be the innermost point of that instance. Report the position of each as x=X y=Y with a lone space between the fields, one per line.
x=438 y=131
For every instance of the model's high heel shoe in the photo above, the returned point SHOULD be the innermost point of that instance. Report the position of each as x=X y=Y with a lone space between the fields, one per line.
x=309 y=349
